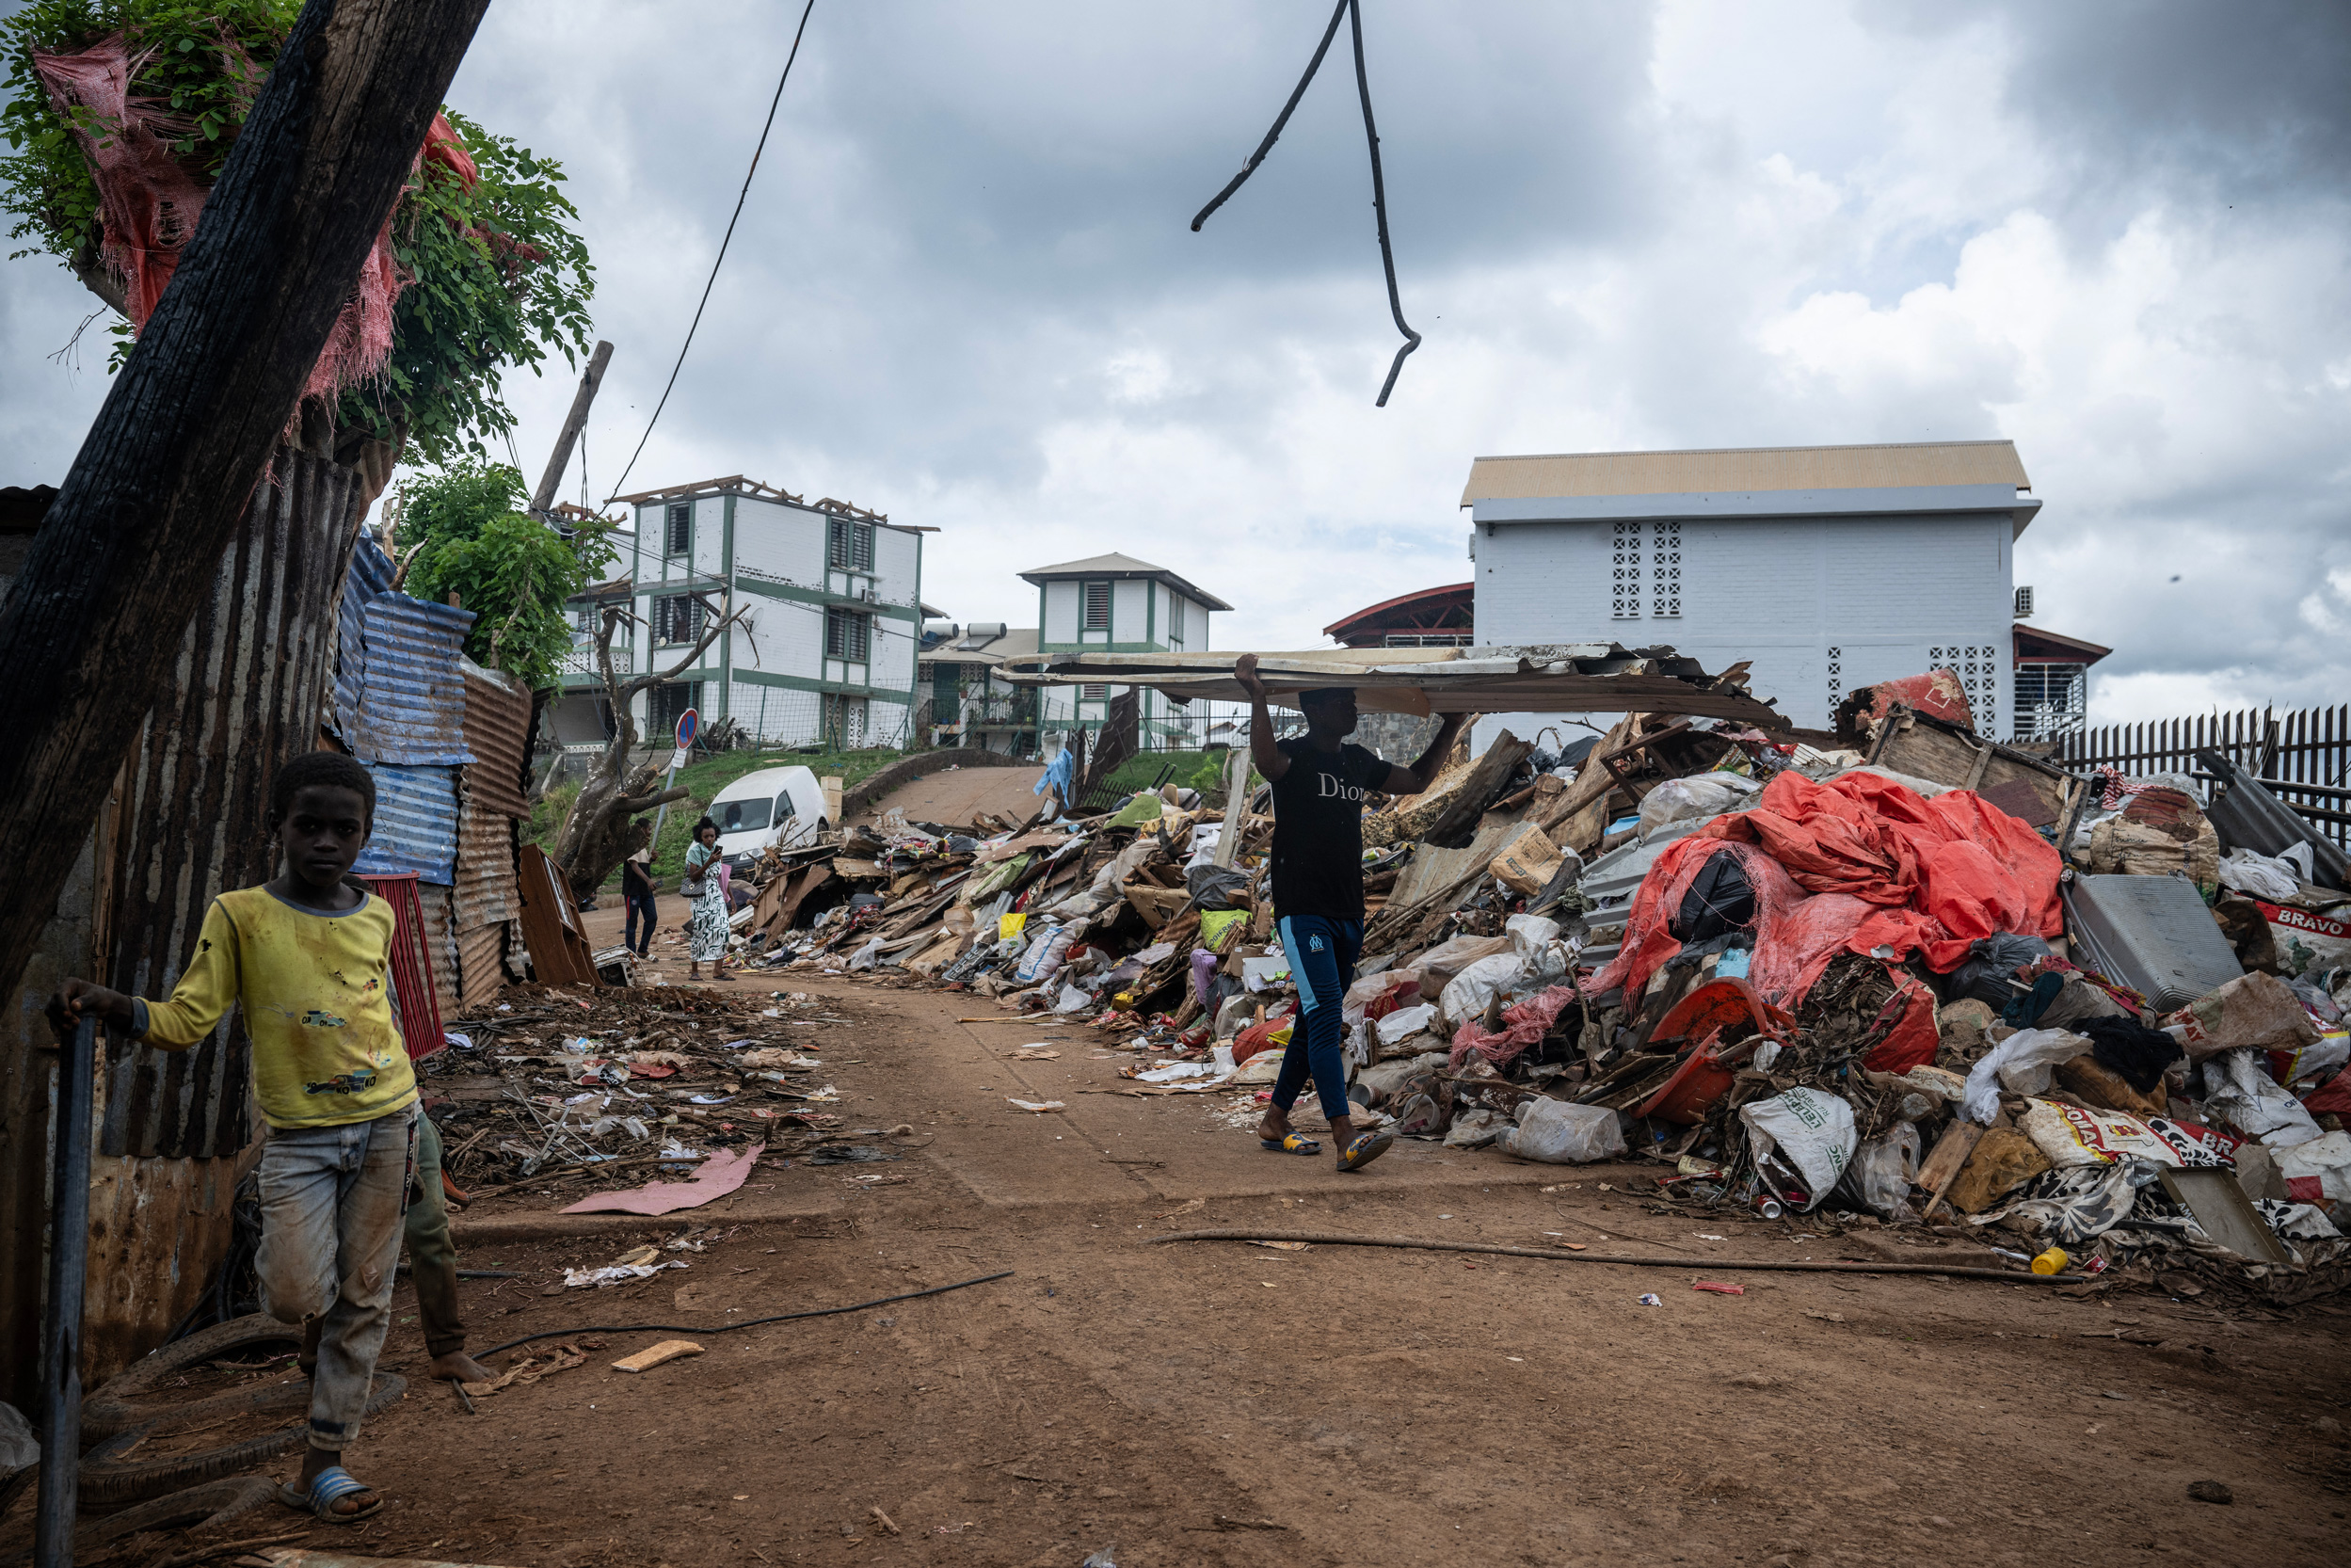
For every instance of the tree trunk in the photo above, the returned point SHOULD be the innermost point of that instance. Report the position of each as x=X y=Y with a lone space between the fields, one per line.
x=136 y=536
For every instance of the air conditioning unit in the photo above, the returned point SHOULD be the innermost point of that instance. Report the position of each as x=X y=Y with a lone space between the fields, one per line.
x=2023 y=603
x=870 y=595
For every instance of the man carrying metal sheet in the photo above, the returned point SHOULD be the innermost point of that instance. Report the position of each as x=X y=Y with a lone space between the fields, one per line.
x=1319 y=781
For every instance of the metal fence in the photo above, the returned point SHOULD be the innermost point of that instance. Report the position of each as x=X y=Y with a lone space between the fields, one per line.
x=2303 y=756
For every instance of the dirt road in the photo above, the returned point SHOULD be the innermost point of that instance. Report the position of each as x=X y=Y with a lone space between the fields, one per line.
x=1212 y=1402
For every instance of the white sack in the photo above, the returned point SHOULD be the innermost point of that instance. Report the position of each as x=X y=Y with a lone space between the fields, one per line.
x=1557 y=1133
x=1812 y=1131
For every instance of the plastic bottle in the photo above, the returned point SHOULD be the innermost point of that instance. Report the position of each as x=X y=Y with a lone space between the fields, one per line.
x=2052 y=1262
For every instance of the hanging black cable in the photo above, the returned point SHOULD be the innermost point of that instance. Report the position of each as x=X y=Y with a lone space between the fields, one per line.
x=1353 y=10
x=755 y=1323
x=741 y=197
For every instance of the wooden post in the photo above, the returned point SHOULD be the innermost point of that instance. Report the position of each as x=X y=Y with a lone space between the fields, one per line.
x=135 y=540
x=543 y=501
x=1236 y=806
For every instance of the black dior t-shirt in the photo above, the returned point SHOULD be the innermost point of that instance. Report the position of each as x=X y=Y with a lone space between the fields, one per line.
x=1317 y=828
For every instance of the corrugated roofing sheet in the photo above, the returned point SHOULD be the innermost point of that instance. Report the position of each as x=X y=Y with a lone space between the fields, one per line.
x=369 y=575
x=1760 y=468
x=481 y=964
x=497 y=730
x=483 y=882
x=416 y=823
x=413 y=707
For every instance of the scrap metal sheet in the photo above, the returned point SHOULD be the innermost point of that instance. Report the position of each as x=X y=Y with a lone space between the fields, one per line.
x=416 y=823
x=412 y=707
x=1589 y=678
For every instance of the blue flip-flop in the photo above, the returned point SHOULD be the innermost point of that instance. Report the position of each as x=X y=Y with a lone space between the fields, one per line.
x=1290 y=1144
x=327 y=1488
x=1366 y=1147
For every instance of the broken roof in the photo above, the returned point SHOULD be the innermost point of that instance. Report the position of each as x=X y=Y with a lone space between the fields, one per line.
x=1900 y=477
x=976 y=647
x=1117 y=566
x=1567 y=677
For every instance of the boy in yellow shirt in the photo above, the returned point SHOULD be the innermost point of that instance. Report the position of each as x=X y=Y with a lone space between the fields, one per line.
x=306 y=955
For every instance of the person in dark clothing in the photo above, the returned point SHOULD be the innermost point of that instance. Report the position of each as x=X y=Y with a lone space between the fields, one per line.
x=1319 y=782
x=636 y=888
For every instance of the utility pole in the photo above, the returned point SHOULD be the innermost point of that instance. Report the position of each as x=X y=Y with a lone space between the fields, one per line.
x=543 y=499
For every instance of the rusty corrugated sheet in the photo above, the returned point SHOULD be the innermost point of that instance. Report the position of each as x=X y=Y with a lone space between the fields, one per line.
x=440 y=946
x=248 y=687
x=411 y=701
x=416 y=822
x=497 y=731
x=370 y=574
x=157 y=1230
x=481 y=964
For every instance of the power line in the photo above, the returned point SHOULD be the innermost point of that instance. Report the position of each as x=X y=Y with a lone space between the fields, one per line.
x=1353 y=10
x=622 y=484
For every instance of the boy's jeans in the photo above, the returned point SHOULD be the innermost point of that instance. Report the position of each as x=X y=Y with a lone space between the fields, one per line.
x=332 y=1202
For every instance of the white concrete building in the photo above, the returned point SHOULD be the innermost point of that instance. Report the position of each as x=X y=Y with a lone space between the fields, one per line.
x=826 y=652
x=1117 y=604
x=1827 y=568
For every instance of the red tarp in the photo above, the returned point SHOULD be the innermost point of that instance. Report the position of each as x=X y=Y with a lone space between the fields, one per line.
x=1859 y=864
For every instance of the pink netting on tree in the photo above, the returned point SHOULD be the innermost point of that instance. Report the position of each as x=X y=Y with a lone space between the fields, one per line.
x=149 y=205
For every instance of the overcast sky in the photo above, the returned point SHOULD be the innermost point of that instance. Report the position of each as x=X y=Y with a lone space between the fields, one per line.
x=965 y=292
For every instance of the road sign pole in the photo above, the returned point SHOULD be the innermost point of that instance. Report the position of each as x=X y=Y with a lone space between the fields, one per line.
x=689 y=722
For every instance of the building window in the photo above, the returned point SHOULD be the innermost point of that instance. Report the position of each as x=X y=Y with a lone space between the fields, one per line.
x=678 y=528
x=677 y=618
x=1096 y=600
x=1625 y=546
x=586 y=616
x=672 y=701
x=849 y=544
x=847 y=634
x=1093 y=691
x=1174 y=636
x=1665 y=571
x=1978 y=676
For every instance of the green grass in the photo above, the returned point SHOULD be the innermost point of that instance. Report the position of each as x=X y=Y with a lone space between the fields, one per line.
x=1140 y=771
x=705 y=778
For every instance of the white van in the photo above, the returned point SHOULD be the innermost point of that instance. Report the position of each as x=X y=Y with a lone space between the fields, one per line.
x=771 y=807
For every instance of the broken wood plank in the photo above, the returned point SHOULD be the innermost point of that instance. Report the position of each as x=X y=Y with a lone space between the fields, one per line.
x=1950 y=1153
x=653 y=1355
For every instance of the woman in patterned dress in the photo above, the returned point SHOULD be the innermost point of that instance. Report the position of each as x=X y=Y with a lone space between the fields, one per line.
x=706 y=920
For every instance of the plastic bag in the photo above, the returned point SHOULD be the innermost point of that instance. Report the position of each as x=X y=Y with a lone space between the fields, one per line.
x=1471 y=991
x=2069 y=1135
x=1808 y=1129
x=1556 y=1133
x=1449 y=958
x=1046 y=950
x=2245 y=1098
x=866 y=957
x=1989 y=972
x=1884 y=1171
x=1719 y=900
x=2266 y=876
x=1403 y=1023
x=1214 y=886
x=2318 y=1170
x=1708 y=794
x=2256 y=1010
x=2021 y=1062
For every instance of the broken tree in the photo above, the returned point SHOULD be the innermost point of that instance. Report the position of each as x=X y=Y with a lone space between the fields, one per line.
x=136 y=536
x=601 y=830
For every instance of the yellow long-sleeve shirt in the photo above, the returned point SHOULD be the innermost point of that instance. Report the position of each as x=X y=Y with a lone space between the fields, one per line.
x=314 y=987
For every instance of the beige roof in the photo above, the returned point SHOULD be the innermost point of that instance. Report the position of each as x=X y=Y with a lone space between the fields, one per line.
x=1749 y=467
x=1123 y=566
x=1019 y=641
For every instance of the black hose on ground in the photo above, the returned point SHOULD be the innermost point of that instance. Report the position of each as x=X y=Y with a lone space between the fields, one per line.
x=1790 y=1266
x=731 y=1328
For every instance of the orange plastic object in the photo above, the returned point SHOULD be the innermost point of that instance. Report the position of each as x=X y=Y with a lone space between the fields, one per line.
x=1703 y=1077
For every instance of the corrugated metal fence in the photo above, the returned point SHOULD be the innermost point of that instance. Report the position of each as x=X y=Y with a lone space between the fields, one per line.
x=244 y=698
x=2302 y=755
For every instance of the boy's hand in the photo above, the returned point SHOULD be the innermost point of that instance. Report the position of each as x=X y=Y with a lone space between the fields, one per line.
x=79 y=999
x=1246 y=672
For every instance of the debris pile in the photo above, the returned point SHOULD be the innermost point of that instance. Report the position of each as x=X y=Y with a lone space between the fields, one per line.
x=1900 y=974
x=595 y=1086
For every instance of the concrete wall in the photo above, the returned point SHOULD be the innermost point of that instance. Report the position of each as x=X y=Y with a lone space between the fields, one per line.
x=1818 y=605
